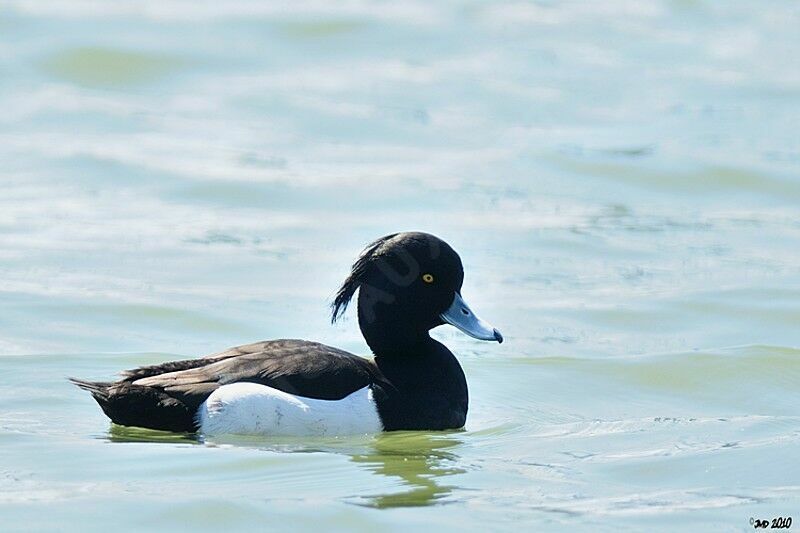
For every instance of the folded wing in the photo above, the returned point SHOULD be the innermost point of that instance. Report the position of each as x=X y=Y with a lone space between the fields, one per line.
x=167 y=396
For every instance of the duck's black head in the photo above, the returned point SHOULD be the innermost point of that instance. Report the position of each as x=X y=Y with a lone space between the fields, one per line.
x=407 y=284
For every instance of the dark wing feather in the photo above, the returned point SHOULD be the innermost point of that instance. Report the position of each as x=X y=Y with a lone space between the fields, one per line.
x=186 y=364
x=298 y=367
x=167 y=396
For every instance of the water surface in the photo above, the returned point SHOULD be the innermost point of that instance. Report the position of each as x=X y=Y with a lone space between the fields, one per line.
x=620 y=178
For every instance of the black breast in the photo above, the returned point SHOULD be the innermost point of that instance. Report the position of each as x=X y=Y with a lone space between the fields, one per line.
x=429 y=390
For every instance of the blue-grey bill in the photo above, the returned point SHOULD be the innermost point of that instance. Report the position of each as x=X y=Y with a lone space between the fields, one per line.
x=461 y=316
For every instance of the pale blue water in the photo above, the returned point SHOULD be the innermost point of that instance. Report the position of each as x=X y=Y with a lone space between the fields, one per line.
x=622 y=180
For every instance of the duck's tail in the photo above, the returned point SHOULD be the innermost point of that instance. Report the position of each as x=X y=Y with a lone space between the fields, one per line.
x=137 y=405
x=98 y=389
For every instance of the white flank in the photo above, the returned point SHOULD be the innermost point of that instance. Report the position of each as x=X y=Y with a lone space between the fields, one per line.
x=253 y=409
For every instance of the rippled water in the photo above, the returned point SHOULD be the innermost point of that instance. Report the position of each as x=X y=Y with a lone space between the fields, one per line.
x=620 y=178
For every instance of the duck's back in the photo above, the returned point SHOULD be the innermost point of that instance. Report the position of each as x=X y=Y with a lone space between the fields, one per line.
x=168 y=396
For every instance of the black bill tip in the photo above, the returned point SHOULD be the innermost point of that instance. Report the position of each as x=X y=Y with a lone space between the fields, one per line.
x=497 y=336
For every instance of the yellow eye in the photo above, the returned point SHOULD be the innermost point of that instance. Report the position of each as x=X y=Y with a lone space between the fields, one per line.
x=427 y=278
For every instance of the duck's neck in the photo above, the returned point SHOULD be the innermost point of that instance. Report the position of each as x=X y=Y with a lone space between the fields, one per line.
x=389 y=333
x=428 y=387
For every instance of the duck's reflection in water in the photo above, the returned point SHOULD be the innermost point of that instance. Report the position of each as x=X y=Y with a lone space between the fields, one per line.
x=117 y=433
x=419 y=459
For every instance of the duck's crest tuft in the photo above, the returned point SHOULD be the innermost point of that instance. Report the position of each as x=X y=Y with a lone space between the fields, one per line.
x=357 y=275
